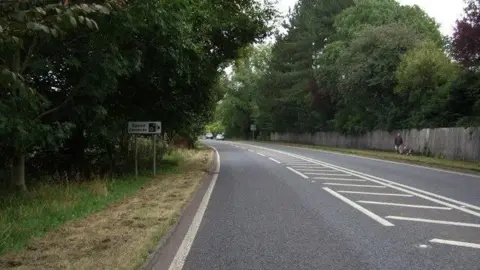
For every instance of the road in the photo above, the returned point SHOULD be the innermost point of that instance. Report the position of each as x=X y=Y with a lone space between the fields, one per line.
x=280 y=207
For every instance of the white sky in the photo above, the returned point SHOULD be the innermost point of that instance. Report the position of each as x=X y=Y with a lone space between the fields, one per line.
x=445 y=12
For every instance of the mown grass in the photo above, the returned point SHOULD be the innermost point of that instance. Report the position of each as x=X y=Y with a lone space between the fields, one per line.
x=436 y=162
x=123 y=233
x=47 y=206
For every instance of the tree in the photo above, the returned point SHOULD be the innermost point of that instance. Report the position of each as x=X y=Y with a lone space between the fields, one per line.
x=70 y=93
x=426 y=77
x=466 y=37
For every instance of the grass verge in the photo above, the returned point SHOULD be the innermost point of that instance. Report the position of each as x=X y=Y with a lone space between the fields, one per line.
x=457 y=165
x=98 y=225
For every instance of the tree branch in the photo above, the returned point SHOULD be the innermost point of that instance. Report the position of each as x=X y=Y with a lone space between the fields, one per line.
x=61 y=105
x=29 y=54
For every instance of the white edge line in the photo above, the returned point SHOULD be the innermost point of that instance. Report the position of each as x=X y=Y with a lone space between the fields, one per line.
x=297 y=172
x=274 y=160
x=455 y=243
x=406 y=205
x=260 y=154
x=375 y=193
x=182 y=252
x=359 y=208
x=444 y=222
x=389 y=183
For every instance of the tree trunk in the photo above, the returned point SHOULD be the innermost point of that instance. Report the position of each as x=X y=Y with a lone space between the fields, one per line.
x=18 y=171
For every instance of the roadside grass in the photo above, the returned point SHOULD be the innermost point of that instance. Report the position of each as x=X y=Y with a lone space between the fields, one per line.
x=98 y=224
x=436 y=162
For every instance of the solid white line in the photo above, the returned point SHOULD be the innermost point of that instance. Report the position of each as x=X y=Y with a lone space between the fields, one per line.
x=435 y=221
x=406 y=205
x=313 y=166
x=297 y=172
x=455 y=243
x=352 y=185
x=182 y=252
x=251 y=150
x=394 y=185
x=339 y=179
x=319 y=172
x=274 y=160
x=261 y=154
x=334 y=174
x=374 y=193
x=359 y=208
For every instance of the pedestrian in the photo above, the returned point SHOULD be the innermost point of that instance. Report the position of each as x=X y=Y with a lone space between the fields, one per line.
x=398 y=143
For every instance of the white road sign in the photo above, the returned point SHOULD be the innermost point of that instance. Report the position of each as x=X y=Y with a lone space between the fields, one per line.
x=253 y=127
x=145 y=127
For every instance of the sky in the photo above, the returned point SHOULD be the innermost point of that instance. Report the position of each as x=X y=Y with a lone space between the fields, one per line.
x=445 y=12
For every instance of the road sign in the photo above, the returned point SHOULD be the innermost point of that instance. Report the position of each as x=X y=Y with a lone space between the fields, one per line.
x=144 y=127
x=253 y=127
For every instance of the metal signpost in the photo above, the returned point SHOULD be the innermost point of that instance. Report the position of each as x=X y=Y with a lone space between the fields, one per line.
x=145 y=128
x=253 y=128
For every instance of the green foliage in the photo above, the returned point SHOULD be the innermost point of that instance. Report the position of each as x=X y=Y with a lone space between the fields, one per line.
x=74 y=75
x=353 y=66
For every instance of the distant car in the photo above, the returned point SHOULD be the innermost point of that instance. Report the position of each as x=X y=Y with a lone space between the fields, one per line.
x=209 y=136
x=220 y=137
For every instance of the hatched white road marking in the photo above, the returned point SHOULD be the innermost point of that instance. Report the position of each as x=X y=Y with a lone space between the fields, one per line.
x=320 y=172
x=261 y=154
x=339 y=179
x=455 y=243
x=374 y=193
x=391 y=184
x=360 y=208
x=297 y=172
x=352 y=185
x=406 y=205
x=333 y=174
x=444 y=222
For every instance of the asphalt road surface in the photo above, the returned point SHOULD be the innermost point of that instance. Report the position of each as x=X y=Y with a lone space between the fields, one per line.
x=280 y=207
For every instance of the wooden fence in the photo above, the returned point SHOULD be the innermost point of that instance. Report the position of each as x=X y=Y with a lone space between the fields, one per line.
x=451 y=143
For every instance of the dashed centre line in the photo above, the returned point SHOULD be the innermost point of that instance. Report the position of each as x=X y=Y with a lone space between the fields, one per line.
x=274 y=160
x=297 y=172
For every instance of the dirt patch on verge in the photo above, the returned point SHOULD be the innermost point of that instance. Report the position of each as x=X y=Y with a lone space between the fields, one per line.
x=120 y=236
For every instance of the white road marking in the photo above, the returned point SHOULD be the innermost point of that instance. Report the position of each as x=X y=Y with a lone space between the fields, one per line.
x=359 y=208
x=374 y=193
x=406 y=205
x=251 y=150
x=261 y=154
x=339 y=179
x=320 y=172
x=455 y=243
x=297 y=172
x=352 y=185
x=391 y=184
x=435 y=221
x=392 y=162
x=182 y=252
x=274 y=160
x=334 y=174
x=314 y=166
